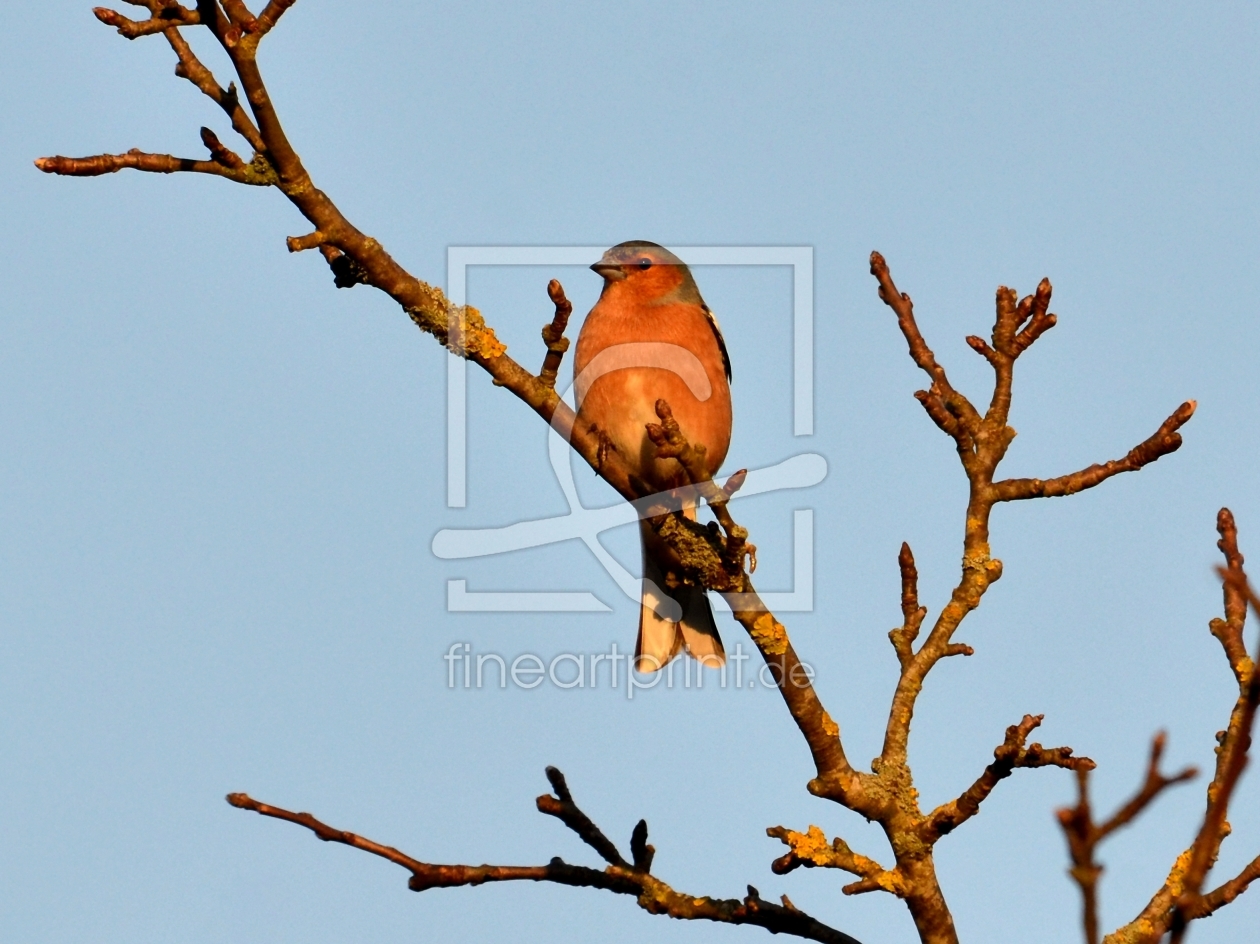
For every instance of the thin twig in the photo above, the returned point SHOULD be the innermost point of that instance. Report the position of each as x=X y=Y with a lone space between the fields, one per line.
x=553 y=334
x=256 y=173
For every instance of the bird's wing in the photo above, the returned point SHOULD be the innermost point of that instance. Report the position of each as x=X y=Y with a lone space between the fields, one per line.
x=717 y=333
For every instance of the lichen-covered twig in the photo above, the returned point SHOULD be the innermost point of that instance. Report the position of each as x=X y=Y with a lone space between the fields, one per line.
x=811 y=849
x=619 y=876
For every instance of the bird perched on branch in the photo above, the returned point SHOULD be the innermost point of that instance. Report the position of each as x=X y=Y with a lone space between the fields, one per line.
x=649 y=337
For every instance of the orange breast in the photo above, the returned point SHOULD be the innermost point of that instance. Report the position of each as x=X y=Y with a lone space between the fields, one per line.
x=627 y=357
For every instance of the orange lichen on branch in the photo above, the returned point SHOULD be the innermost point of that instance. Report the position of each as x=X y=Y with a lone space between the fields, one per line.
x=811 y=849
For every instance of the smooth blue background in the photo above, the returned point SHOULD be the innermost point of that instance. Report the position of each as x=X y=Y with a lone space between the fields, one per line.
x=219 y=476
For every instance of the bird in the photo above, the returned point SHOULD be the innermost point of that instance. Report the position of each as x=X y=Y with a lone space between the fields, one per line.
x=651 y=336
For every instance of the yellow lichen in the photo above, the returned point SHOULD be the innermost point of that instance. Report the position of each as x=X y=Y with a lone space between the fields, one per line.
x=830 y=728
x=260 y=172
x=811 y=846
x=769 y=635
x=461 y=329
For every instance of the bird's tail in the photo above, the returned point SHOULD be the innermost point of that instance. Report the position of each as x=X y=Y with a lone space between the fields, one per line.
x=673 y=620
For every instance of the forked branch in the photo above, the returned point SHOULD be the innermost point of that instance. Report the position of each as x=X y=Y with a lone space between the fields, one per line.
x=1084 y=835
x=981 y=442
x=619 y=876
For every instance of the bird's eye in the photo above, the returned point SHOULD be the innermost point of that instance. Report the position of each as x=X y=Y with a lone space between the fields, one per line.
x=645 y=263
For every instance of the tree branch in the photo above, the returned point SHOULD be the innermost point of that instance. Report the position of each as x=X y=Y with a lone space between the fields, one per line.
x=161 y=18
x=1008 y=755
x=553 y=334
x=912 y=614
x=982 y=443
x=271 y=14
x=562 y=807
x=1229 y=631
x=812 y=850
x=1165 y=440
x=619 y=877
x=1231 y=759
x=1083 y=835
x=257 y=173
x=190 y=67
x=1180 y=899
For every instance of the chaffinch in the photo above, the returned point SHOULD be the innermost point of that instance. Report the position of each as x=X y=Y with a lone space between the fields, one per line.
x=651 y=336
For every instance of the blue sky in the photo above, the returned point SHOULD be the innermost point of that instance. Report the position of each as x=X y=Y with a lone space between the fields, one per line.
x=220 y=477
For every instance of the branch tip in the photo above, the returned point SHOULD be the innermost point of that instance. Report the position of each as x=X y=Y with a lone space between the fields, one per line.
x=557 y=781
x=309 y=241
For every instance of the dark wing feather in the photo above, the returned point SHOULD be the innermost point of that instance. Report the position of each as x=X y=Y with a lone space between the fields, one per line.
x=717 y=333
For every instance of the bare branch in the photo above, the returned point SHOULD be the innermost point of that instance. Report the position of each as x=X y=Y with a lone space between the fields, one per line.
x=1008 y=756
x=1220 y=897
x=950 y=399
x=160 y=20
x=1229 y=631
x=1231 y=759
x=912 y=614
x=271 y=14
x=218 y=153
x=1156 y=782
x=652 y=894
x=553 y=334
x=309 y=241
x=1083 y=835
x=190 y=67
x=982 y=443
x=1180 y=899
x=642 y=852
x=562 y=807
x=1164 y=441
x=257 y=173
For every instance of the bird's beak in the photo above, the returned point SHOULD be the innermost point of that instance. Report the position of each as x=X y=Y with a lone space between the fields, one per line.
x=610 y=272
